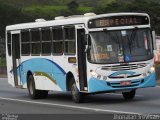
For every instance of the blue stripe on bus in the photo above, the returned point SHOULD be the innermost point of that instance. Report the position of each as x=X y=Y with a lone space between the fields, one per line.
x=116 y=74
x=43 y=65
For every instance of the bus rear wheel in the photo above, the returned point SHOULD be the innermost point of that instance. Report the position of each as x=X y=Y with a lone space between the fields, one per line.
x=33 y=93
x=77 y=96
x=129 y=95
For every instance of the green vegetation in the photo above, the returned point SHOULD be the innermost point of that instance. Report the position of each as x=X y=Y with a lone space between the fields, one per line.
x=2 y=61
x=20 y=11
x=144 y=6
x=47 y=11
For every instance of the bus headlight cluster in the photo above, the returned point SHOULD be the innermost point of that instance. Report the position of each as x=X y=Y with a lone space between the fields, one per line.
x=94 y=74
x=152 y=69
x=99 y=77
x=104 y=77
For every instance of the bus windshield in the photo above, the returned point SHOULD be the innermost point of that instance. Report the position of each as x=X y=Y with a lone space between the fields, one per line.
x=118 y=46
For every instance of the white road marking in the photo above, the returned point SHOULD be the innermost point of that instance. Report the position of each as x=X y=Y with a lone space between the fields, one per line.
x=69 y=106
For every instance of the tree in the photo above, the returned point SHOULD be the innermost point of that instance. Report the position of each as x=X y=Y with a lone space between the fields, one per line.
x=9 y=15
x=143 y=6
x=73 y=6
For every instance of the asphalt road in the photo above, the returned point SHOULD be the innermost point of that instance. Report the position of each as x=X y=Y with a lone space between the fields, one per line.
x=14 y=100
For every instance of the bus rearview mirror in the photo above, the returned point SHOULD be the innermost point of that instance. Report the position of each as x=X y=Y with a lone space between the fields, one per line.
x=154 y=40
x=87 y=40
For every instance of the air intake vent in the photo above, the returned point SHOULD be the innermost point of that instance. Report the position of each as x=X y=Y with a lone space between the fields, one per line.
x=124 y=67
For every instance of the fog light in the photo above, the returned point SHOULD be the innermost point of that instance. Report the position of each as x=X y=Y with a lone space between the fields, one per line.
x=142 y=81
x=109 y=84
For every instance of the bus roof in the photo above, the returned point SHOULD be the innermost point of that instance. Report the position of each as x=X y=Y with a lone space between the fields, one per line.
x=77 y=19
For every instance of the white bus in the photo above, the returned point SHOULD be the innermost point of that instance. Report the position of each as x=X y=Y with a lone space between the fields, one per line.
x=85 y=54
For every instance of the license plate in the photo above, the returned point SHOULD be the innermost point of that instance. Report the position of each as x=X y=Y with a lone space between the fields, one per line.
x=125 y=83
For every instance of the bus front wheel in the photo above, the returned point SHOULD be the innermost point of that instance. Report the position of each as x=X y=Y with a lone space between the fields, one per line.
x=129 y=95
x=33 y=93
x=77 y=96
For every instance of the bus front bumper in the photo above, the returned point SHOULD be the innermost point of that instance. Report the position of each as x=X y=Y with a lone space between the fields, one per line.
x=95 y=85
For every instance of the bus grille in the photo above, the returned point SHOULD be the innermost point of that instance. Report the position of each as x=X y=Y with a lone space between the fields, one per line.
x=116 y=77
x=124 y=67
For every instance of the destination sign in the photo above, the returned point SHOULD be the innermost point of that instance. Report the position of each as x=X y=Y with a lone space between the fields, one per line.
x=115 y=21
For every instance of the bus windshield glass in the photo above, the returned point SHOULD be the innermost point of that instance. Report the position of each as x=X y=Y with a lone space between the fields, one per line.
x=118 y=46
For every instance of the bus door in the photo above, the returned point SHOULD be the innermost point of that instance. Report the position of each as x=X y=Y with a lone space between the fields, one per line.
x=81 y=55
x=16 y=57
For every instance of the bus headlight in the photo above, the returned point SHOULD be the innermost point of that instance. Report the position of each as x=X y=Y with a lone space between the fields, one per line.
x=144 y=74
x=99 y=77
x=93 y=73
x=104 y=77
x=152 y=69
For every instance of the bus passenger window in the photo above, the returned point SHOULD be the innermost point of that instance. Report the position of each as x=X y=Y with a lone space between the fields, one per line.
x=35 y=40
x=36 y=48
x=9 y=43
x=25 y=42
x=46 y=41
x=57 y=41
x=69 y=40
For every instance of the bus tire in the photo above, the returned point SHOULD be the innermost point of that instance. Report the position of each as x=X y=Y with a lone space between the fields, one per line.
x=129 y=95
x=33 y=93
x=77 y=96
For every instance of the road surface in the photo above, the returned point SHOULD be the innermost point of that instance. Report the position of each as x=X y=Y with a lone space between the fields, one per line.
x=14 y=100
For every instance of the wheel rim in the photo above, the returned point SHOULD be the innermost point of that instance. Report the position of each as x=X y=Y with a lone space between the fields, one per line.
x=75 y=93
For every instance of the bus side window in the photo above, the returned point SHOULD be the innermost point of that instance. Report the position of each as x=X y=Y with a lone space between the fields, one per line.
x=69 y=40
x=9 y=43
x=25 y=40
x=35 y=41
x=57 y=41
x=46 y=41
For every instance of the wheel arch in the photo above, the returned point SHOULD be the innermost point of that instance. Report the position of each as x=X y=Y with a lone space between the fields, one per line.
x=28 y=73
x=69 y=81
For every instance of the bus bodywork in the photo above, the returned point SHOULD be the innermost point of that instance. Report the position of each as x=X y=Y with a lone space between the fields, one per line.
x=112 y=52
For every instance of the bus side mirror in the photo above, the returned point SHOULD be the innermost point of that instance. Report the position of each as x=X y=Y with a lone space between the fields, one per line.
x=154 y=40
x=87 y=39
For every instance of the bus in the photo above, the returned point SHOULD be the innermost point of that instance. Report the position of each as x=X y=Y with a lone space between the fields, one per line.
x=84 y=54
